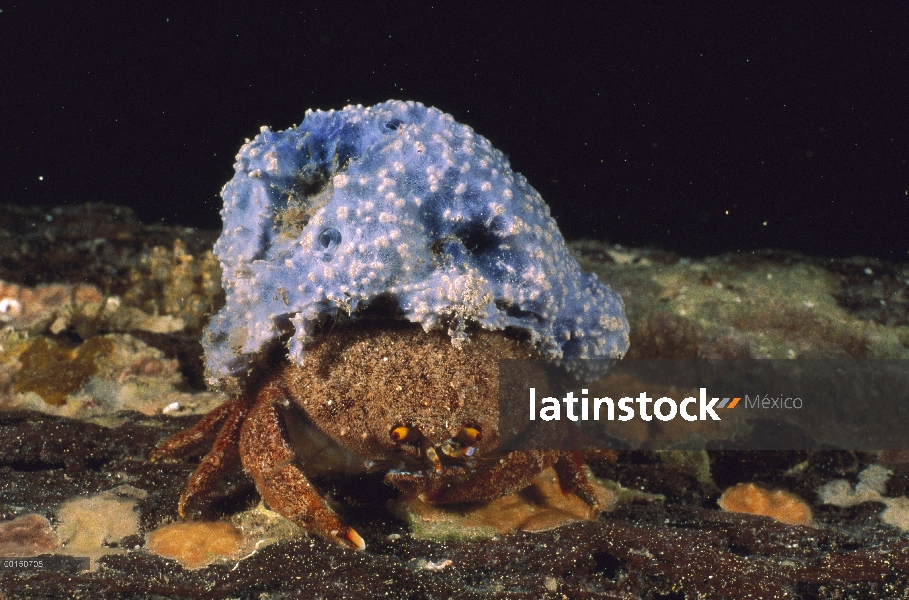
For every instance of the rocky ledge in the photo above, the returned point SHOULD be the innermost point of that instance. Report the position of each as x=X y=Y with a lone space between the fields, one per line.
x=100 y=321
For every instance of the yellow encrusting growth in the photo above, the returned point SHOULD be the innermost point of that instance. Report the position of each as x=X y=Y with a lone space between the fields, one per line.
x=172 y=281
x=54 y=371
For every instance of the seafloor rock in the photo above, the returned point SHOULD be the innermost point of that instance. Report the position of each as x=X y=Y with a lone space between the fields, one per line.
x=665 y=538
x=755 y=305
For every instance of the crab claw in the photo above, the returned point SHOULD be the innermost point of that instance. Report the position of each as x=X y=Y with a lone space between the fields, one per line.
x=351 y=539
x=269 y=460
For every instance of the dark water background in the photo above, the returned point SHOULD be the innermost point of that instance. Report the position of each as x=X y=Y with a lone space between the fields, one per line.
x=698 y=130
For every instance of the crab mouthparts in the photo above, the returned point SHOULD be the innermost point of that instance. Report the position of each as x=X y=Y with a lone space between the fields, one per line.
x=451 y=449
x=448 y=454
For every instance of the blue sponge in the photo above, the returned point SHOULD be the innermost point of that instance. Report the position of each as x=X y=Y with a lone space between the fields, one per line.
x=401 y=203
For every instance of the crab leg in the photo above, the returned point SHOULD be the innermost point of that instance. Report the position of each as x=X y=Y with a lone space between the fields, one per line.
x=573 y=478
x=510 y=473
x=226 y=420
x=184 y=442
x=219 y=459
x=269 y=459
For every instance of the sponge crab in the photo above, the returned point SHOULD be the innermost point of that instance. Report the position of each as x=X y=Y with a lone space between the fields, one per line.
x=395 y=204
x=400 y=399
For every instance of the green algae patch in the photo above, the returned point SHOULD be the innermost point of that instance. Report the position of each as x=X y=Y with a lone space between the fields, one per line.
x=441 y=528
x=694 y=462
x=627 y=495
x=54 y=370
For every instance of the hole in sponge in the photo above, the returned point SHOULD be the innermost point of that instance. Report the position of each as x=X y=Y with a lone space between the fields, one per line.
x=329 y=238
x=514 y=310
x=477 y=237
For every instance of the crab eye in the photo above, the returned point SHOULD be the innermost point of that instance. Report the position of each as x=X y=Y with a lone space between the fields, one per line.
x=469 y=435
x=402 y=434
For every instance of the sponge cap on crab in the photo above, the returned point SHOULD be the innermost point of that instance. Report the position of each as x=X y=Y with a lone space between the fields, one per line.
x=397 y=202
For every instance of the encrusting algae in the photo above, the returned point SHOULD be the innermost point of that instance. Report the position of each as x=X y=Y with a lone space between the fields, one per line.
x=54 y=371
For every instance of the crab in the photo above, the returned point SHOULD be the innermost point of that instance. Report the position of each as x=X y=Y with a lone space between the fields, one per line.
x=396 y=398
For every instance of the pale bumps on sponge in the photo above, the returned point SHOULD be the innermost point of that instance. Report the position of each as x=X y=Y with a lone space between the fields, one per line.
x=398 y=203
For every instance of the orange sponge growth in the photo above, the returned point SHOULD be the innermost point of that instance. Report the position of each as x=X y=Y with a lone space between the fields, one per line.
x=778 y=504
x=197 y=544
